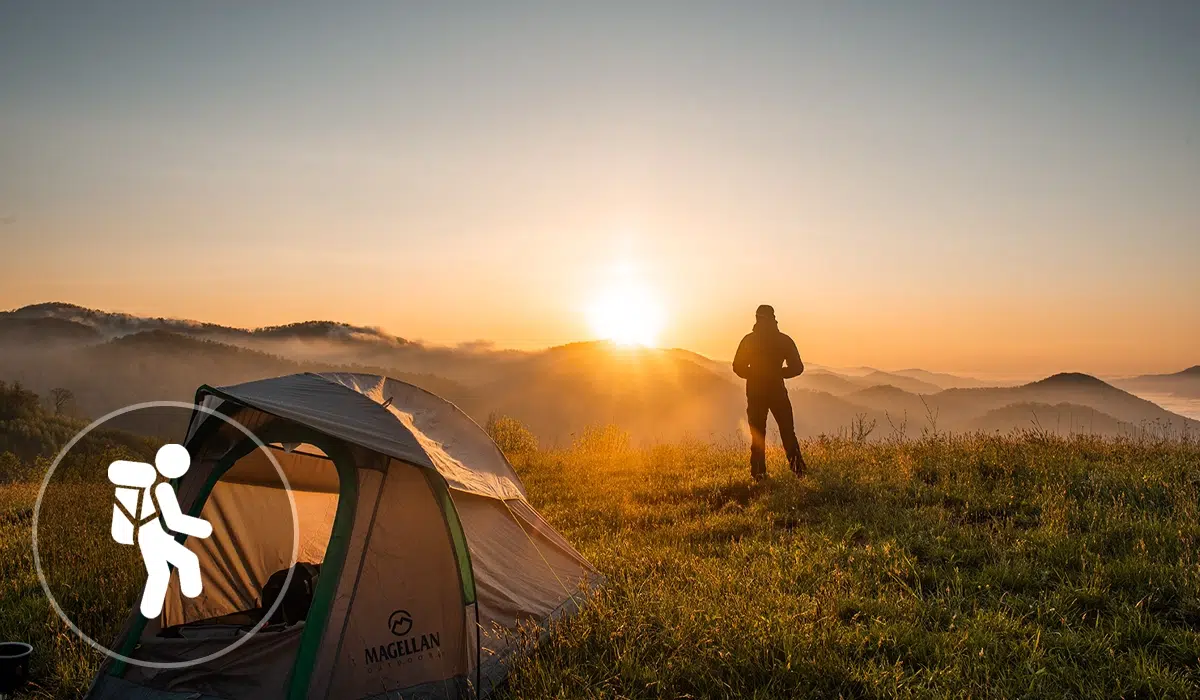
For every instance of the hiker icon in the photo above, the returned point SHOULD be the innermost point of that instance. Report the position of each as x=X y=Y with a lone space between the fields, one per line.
x=160 y=549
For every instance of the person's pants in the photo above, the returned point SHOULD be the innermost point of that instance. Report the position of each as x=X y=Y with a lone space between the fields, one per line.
x=778 y=404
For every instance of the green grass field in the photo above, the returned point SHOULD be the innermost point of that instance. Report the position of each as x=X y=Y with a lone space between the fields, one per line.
x=974 y=567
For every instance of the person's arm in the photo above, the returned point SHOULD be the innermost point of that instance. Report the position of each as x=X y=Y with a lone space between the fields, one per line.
x=174 y=518
x=795 y=367
x=741 y=363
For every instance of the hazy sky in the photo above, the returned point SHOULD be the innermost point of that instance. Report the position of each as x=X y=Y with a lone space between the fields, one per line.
x=1004 y=188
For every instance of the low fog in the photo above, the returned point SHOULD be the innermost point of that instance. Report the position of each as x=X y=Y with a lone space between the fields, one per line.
x=109 y=361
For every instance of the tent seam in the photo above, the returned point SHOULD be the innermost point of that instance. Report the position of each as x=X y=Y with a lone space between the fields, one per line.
x=453 y=405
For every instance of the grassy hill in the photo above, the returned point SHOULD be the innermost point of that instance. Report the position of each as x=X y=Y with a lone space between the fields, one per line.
x=948 y=567
x=980 y=567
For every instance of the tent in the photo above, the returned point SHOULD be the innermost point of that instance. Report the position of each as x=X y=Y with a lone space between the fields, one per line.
x=422 y=569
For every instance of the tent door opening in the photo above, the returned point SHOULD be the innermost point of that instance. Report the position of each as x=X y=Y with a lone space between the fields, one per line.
x=247 y=559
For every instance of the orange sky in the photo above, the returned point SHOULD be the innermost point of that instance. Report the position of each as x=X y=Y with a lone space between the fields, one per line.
x=530 y=303
x=995 y=190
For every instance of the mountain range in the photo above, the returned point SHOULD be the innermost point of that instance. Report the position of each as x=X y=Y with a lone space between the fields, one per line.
x=110 y=360
x=1184 y=384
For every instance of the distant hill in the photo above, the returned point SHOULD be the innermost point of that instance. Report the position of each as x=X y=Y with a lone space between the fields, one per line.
x=326 y=342
x=818 y=413
x=163 y=365
x=1070 y=402
x=1069 y=388
x=110 y=360
x=948 y=381
x=909 y=384
x=841 y=385
x=15 y=330
x=655 y=394
x=897 y=403
x=111 y=324
x=327 y=330
x=1183 y=384
x=829 y=382
x=722 y=368
x=1060 y=419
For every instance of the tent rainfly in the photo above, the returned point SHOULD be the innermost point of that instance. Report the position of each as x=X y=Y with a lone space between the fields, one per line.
x=418 y=553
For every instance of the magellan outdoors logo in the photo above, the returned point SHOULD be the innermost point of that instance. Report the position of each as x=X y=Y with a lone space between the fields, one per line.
x=409 y=648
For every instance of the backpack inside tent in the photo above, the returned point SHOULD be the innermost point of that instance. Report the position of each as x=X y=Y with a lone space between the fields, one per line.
x=415 y=566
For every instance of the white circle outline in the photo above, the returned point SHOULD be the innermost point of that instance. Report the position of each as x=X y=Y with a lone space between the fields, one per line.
x=37 y=560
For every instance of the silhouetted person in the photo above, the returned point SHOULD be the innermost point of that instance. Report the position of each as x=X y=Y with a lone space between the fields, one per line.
x=764 y=359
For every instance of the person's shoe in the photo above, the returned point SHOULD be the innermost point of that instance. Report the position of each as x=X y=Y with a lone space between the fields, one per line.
x=798 y=466
x=758 y=477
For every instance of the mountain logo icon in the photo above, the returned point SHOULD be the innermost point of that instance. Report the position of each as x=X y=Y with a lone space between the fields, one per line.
x=400 y=623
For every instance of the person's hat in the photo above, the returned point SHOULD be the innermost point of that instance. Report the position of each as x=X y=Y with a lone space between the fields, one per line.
x=765 y=311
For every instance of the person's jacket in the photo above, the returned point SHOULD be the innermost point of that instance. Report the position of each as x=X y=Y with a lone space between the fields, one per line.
x=766 y=357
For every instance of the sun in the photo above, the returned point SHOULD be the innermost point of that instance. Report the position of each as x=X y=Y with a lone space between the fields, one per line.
x=627 y=314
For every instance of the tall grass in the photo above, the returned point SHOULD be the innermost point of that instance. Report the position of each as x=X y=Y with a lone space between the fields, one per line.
x=949 y=567
x=94 y=580
x=1021 y=566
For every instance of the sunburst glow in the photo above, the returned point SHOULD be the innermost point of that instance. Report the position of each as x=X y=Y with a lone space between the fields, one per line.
x=627 y=313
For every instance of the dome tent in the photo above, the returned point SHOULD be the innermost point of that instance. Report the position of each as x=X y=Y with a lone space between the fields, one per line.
x=427 y=556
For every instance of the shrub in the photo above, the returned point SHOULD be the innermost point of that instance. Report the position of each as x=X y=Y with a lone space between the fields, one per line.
x=510 y=435
x=12 y=469
x=30 y=432
x=17 y=402
x=608 y=439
